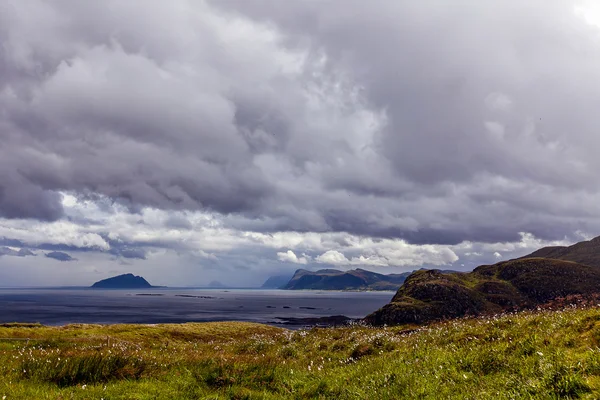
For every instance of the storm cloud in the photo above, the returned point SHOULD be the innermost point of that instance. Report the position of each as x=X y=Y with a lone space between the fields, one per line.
x=413 y=132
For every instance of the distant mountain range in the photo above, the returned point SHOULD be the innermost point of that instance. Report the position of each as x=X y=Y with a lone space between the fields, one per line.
x=276 y=282
x=355 y=279
x=125 y=281
x=333 y=279
x=548 y=274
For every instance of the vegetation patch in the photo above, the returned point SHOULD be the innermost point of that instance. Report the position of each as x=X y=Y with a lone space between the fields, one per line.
x=539 y=354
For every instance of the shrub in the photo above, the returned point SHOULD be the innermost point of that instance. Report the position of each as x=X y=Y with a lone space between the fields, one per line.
x=288 y=352
x=218 y=375
x=361 y=350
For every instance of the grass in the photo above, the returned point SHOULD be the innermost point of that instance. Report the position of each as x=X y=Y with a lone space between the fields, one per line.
x=546 y=354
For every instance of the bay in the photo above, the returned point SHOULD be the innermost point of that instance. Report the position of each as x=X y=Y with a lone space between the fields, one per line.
x=60 y=306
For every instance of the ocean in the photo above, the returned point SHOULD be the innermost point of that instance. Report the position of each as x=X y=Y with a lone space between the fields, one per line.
x=60 y=306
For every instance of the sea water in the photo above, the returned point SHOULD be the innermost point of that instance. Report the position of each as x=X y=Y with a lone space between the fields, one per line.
x=59 y=306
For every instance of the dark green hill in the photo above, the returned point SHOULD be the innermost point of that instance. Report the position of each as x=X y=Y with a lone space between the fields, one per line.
x=429 y=295
x=333 y=279
x=125 y=281
x=587 y=252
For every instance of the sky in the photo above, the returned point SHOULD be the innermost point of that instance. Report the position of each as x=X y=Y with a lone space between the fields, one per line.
x=198 y=140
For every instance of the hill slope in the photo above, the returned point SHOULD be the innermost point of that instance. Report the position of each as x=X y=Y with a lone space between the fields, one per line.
x=429 y=295
x=587 y=252
x=356 y=279
x=125 y=281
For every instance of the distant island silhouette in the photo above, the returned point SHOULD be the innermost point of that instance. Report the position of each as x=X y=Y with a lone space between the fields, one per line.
x=125 y=281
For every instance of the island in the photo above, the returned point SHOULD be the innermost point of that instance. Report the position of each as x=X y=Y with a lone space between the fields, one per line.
x=125 y=281
x=355 y=279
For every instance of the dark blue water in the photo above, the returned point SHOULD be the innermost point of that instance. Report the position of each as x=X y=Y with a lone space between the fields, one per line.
x=147 y=306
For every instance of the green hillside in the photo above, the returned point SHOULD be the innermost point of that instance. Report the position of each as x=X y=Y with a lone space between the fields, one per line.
x=430 y=295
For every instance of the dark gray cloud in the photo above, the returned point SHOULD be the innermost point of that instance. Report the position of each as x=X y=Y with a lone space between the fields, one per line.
x=139 y=254
x=178 y=222
x=60 y=256
x=4 y=241
x=430 y=121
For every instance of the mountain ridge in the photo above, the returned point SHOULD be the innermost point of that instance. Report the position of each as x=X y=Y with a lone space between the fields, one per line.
x=354 y=279
x=586 y=252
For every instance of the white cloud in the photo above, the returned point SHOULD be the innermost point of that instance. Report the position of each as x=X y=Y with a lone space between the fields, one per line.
x=332 y=257
x=59 y=233
x=290 y=256
x=395 y=254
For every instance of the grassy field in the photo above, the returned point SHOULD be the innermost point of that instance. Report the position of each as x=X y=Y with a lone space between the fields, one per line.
x=543 y=354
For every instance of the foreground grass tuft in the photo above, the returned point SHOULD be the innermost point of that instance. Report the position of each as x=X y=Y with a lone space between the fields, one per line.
x=82 y=369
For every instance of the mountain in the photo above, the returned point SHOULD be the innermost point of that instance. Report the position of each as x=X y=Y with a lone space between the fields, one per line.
x=429 y=295
x=216 y=285
x=587 y=252
x=276 y=282
x=355 y=279
x=125 y=281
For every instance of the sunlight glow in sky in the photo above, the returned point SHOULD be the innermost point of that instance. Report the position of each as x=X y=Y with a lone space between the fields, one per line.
x=590 y=12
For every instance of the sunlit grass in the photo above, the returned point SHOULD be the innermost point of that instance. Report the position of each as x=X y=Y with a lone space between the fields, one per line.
x=543 y=354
